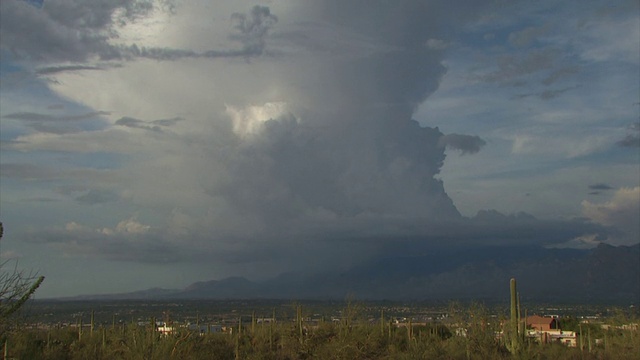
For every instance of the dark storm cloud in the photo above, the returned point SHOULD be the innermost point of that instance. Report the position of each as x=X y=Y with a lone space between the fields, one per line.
x=494 y=227
x=79 y=30
x=168 y=54
x=167 y=122
x=134 y=51
x=600 y=186
x=632 y=140
x=129 y=122
x=37 y=117
x=66 y=29
x=49 y=70
x=342 y=242
x=96 y=196
x=385 y=166
x=253 y=28
x=546 y=94
x=54 y=124
x=155 y=125
x=488 y=227
x=466 y=144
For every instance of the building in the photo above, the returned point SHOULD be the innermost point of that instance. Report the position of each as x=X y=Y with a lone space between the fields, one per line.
x=540 y=323
x=165 y=330
x=547 y=330
x=568 y=338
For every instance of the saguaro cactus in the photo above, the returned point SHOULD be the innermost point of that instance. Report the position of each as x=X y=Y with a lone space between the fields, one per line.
x=514 y=306
x=253 y=322
x=92 y=323
x=80 y=328
x=514 y=340
x=299 y=324
x=271 y=324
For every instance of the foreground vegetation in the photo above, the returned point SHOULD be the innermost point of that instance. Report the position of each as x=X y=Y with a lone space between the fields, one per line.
x=469 y=334
x=466 y=334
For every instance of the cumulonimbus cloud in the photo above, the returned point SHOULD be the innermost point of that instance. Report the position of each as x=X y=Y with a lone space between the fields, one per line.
x=301 y=158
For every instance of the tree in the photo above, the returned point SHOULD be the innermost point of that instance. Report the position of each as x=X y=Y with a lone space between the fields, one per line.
x=16 y=288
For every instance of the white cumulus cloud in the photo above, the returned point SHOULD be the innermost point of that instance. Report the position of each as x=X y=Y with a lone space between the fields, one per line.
x=622 y=212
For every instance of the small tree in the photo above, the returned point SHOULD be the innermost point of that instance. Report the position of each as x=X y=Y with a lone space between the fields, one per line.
x=16 y=288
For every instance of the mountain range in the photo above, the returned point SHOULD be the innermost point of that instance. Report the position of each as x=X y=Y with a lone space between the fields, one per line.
x=602 y=274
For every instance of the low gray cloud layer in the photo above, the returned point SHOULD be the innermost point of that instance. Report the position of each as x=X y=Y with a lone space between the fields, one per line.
x=341 y=242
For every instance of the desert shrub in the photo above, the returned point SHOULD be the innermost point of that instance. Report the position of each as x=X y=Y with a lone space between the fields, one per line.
x=354 y=337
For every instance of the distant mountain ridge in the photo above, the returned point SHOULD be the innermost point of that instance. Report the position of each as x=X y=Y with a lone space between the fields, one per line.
x=603 y=274
x=152 y=293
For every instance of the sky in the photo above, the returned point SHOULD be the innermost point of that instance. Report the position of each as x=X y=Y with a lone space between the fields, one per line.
x=158 y=143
